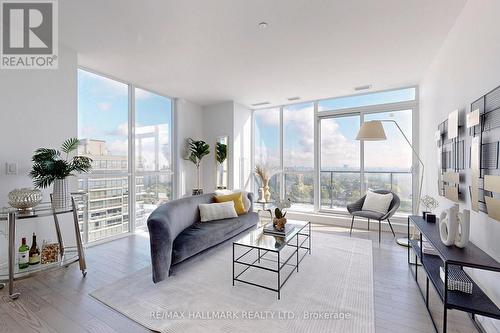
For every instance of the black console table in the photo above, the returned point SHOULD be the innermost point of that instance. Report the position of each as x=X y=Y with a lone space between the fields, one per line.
x=477 y=303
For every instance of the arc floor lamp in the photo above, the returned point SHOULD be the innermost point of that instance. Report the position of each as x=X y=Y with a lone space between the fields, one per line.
x=374 y=131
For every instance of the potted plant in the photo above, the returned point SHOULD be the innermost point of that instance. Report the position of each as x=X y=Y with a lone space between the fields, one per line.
x=197 y=149
x=50 y=167
x=264 y=193
x=221 y=156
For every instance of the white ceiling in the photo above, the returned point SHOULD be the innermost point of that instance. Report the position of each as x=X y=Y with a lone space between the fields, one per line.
x=213 y=51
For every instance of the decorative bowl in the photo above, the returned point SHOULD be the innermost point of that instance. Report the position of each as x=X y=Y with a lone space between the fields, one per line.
x=25 y=198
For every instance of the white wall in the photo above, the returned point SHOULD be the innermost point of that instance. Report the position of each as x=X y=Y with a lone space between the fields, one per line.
x=232 y=120
x=189 y=125
x=467 y=67
x=37 y=109
x=242 y=157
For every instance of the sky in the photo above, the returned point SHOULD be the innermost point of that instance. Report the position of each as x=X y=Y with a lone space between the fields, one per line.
x=103 y=115
x=339 y=149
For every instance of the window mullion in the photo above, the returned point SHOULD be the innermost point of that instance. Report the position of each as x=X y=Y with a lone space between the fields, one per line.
x=362 y=156
x=131 y=161
x=282 y=166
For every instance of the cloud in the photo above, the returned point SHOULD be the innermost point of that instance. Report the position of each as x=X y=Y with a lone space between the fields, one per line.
x=120 y=130
x=118 y=147
x=104 y=106
x=143 y=94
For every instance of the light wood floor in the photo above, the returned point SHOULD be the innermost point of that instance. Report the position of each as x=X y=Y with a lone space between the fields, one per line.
x=58 y=301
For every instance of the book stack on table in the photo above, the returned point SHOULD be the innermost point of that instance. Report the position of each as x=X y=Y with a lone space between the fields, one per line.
x=270 y=230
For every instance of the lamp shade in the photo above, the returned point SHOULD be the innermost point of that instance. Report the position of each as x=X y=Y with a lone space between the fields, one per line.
x=371 y=131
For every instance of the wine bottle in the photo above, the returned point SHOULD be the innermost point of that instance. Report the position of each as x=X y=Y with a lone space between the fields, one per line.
x=23 y=255
x=34 y=252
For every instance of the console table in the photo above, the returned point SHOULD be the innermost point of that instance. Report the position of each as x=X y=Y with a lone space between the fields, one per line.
x=477 y=303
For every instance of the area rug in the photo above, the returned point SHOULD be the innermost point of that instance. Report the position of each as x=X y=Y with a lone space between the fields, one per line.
x=332 y=292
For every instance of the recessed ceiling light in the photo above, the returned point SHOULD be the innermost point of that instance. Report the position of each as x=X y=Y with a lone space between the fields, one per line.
x=262 y=25
x=294 y=98
x=365 y=87
x=260 y=104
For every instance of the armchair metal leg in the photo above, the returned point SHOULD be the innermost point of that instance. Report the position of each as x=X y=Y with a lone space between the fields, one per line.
x=379 y=229
x=368 y=224
x=352 y=223
x=390 y=225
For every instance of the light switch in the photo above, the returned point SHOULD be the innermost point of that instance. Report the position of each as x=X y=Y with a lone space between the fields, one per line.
x=11 y=168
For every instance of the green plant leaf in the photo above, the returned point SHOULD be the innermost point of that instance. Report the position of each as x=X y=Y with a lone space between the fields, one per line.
x=80 y=164
x=70 y=145
x=45 y=154
x=48 y=165
x=197 y=150
x=221 y=152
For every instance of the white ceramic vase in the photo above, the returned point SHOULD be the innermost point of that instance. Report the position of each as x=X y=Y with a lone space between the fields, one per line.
x=61 y=196
x=454 y=227
x=463 y=232
x=448 y=225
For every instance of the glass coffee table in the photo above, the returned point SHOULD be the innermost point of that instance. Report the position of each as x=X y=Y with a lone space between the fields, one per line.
x=273 y=254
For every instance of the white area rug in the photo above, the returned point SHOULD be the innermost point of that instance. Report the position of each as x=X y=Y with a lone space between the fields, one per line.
x=332 y=292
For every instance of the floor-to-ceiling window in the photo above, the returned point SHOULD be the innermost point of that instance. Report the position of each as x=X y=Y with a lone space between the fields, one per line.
x=153 y=152
x=122 y=177
x=298 y=155
x=340 y=166
x=388 y=164
x=329 y=154
x=267 y=155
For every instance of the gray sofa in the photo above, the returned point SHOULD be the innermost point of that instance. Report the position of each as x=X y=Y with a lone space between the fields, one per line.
x=176 y=233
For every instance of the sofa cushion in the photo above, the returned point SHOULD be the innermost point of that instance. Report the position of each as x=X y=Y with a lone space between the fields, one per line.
x=217 y=211
x=236 y=198
x=377 y=202
x=368 y=214
x=246 y=201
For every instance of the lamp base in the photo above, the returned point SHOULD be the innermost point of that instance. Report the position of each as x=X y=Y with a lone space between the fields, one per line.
x=403 y=241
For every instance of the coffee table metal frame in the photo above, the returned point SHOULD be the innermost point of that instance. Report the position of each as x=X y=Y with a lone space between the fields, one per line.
x=292 y=240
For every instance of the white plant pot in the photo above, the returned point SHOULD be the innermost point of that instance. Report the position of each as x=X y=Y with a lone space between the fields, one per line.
x=61 y=196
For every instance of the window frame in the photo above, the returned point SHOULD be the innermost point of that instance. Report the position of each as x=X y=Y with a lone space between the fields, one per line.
x=131 y=162
x=361 y=110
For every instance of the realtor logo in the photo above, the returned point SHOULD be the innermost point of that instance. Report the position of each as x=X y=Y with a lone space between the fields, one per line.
x=29 y=38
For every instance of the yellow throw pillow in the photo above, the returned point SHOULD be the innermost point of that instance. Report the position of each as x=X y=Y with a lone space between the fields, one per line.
x=236 y=198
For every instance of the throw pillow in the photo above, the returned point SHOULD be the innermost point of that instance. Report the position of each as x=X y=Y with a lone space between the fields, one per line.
x=246 y=201
x=377 y=202
x=236 y=198
x=217 y=211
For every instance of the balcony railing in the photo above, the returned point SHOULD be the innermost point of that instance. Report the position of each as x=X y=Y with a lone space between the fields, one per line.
x=338 y=188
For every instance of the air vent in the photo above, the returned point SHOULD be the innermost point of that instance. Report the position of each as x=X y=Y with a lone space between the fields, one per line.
x=366 y=87
x=261 y=104
x=295 y=98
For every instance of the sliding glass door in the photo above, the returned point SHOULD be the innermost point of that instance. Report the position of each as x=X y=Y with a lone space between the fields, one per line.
x=348 y=168
x=388 y=163
x=340 y=166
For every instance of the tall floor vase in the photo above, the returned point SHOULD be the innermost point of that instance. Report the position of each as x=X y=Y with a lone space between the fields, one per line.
x=61 y=196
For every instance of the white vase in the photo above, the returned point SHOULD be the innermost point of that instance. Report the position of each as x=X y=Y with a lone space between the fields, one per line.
x=463 y=232
x=448 y=225
x=61 y=196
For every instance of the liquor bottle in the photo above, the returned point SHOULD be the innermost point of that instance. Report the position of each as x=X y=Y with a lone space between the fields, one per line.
x=34 y=252
x=23 y=254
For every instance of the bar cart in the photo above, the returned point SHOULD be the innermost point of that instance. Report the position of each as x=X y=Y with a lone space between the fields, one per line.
x=67 y=254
